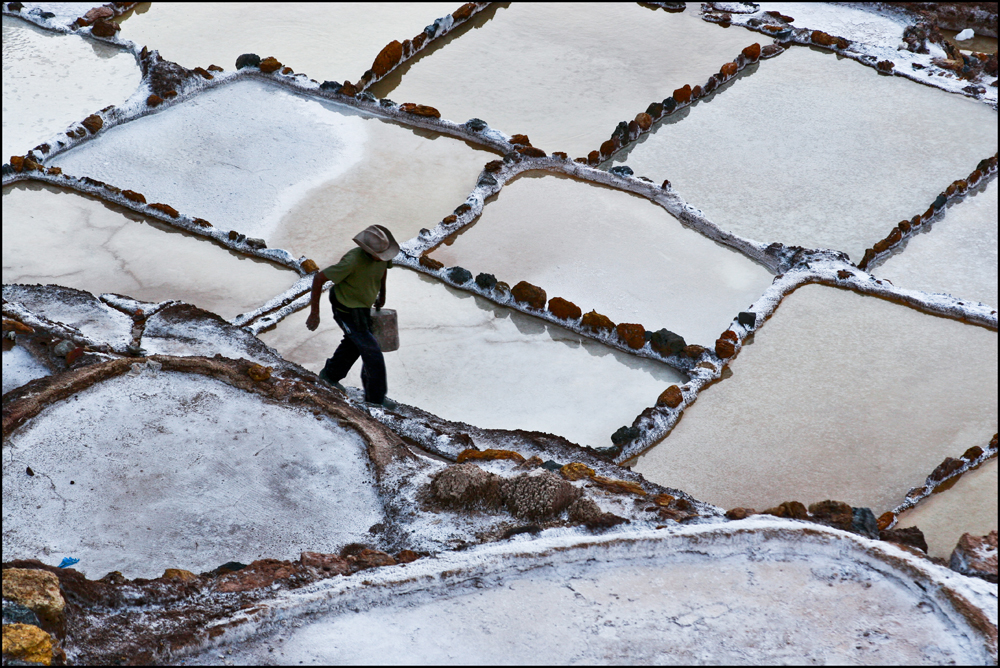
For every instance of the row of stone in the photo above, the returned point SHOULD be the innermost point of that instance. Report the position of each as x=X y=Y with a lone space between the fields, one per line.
x=905 y=228
x=627 y=132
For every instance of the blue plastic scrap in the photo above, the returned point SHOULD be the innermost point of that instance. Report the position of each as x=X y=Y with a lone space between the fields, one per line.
x=68 y=561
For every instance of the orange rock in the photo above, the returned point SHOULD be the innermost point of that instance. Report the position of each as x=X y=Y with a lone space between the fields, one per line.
x=752 y=52
x=694 y=351
x=529 y=294
x=644 y=121
x=93 y=123
x=449 y=219
x=205 y=74
x=682 y=95
x=17 y=326
x=724 y=348
x=594 y=157
x=309 y=266
x=348 y=89
x=169 y=94
x=165 y=208
x=215 y=68
x=671 y=397
x=407 y=556
x=950 y=190
x=962 y=186
x=259 y=373
x=287 y=70
x=633 y=335
x=596 y=322
x=493 y=166
x=576 y=471
x=419 y=41
x=430 y=263
x=740 y=513
x=564 y=309
x=73 y=355
x=463 y=12
x=387 y=58
x=729 y=334
x=696 y=92
x=133 y=196
x=153 y=100
x=201 y=222
x=531 y=152
x=178 y=574
x=728 y=70
x=822 y=38
x=17 y=162
x=621 y=486
x=520 y=139
x=105 y=28
x=663 y=500
x=269 y=64
x=609 y=147
x=420 y=110
x=489 y=455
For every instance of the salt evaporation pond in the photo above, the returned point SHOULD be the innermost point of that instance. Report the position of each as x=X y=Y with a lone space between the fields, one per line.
x=19 y=367
x=840 y=396
x=705 y=596
x=324 y=40
x=956 y=255
x=143 y=473
x=565 y=76
x=468 y=360
x=301 y=173
x=817 y=151
x=50 y=236
x=865 y=24
x=611 y=251
x=80 y=310
x=968 y=507
x=51 y=81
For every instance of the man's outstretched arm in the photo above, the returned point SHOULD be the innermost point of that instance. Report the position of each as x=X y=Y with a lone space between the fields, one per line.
x=312 y=322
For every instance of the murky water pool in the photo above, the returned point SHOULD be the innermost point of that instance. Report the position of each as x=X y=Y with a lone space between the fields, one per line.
x=957 y=255
x=817 y=151
x=51 y=81
x=50 y=236
x=466 y=359
x=978 y=43
x=840 y=397
x=315 y=173
x=324 y=40
x=565 y=76
x=611 y=251
x=968 y=507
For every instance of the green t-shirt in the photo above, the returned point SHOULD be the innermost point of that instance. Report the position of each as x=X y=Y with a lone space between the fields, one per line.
x=357 y=278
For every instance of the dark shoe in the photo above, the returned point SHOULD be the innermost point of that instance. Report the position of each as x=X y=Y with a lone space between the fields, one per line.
x=326 y=378
x=385 y=403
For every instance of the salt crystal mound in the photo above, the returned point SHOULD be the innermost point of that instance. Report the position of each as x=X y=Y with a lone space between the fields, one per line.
x=840 y=396
x=51 y=236
x=40 y=68
x=956 y=255
x=19 y=367
x=465 y=359
x=780 y=158
x=968 y=507
x=610 y=251
x=295 y=171
x=536 y=68
x=81 y=310
x=757 y=595
x=326 y=41
x=175 y=470
x=883 y=29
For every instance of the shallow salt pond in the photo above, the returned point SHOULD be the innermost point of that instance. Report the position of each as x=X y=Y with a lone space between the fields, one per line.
x=19 y=367
x=50 y=236
x=565 y=76
x=303 y=174
x=611 y=251
x=51 y=81
x=465 y=359
x=817 y=151
x=139 y=474
x=324 y=40
x=840 y=397
x=968 y=507
x=956 y=255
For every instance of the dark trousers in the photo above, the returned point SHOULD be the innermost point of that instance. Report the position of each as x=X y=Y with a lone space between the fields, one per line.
x=358 y=342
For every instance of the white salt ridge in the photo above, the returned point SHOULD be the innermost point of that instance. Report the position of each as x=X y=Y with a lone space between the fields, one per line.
x=19 y=367
x=855 y=23
x=746 y=592
x=237 y=156
x=83 y=312
x=139 y=474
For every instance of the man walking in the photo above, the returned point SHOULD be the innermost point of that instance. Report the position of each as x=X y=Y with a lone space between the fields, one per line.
x=359 y=282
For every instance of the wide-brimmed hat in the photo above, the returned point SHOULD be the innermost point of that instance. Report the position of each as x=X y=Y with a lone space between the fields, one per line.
x=378 y=241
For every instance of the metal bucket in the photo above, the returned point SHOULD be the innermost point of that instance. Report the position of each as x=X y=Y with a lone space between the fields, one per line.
x=385 y=329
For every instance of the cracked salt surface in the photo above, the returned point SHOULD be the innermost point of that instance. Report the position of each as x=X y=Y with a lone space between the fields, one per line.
x=324 y=40
x=767 y=594
x=956 y=255
x=840 y=397
x=856 y=24
x=968 y=507
x=468 y=360
x=51 y=236
x=42 y=72
x=142 y=473
x=564 y=77
x=80 y=310
x=19 y=367
x=610 y=251
x=780 y=158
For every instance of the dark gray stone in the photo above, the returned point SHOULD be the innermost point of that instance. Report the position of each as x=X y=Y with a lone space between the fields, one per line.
x=551 y=465
x=622 y=170
x=256 y=243
x=669 y=104
x=486 y=281
x=911 y=536
x=486 y=180
x=15 y=613
x=386 y=102
x=248 y=60
x=747 y=319
x=624 y=435
x=365 y=95
x=459 y=275
x=655 y=109
x=621 y=131
x=666 y=342
x=476 y=124
x=940 y=201
x=864 y=522
x=326 y=85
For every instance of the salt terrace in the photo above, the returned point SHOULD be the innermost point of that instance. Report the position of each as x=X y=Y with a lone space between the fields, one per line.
x=777 y=222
